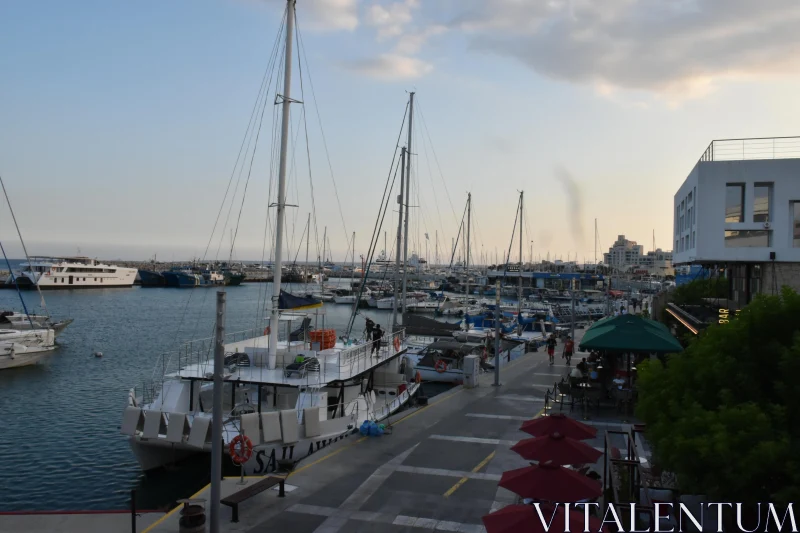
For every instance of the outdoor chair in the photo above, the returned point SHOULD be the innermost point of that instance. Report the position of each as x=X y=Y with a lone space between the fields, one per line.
x=563 y=392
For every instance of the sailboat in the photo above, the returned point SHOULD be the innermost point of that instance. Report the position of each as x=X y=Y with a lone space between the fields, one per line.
x=25 y=338
x=289 y=390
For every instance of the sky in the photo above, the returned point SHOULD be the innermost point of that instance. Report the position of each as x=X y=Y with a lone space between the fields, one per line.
x=121 y=122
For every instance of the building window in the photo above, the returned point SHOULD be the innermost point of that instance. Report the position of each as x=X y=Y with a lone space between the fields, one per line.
x=693 y=243
x=795 y=209
x=761 y=201
x=734 y=203
x=747 y=239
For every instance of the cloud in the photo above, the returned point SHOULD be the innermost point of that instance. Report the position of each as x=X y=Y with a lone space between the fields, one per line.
x=676 y=48
x=391 y=19
x=390 y=67
x=325 y=15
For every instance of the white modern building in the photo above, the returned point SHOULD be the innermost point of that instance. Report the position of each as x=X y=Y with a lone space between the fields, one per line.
x=739 y=209
x=623 y=253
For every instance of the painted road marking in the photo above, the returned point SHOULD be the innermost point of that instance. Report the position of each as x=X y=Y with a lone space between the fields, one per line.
x=464 y=479
x=474 y=440
x=498 y=417
x=448 y=473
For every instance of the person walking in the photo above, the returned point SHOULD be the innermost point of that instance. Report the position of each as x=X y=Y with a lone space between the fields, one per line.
x=551 y=347
x=569 y=348
x=377 y=333
x=368 y=327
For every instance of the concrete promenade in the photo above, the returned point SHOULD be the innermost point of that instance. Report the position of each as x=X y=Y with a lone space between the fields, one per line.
x=437 y=470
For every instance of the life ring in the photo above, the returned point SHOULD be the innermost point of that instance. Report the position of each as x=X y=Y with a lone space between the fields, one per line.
x=396 y=344
x=241 y=449
x=418 y=377
x=266 y=330
x=440 y=366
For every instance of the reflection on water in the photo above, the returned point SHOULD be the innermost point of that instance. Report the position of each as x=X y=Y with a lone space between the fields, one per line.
x=60 y=446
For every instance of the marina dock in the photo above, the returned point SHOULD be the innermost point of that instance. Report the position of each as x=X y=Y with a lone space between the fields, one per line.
x=436 y=469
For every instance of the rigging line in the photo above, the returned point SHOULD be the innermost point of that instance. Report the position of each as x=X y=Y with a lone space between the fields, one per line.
x=302 y=49
x=458 y=237
x=430 y=178
x=510 y=244
x=249 y=173
x=247 y=131
x=16 y=284
x=375 y=238
x=377 y=229
x=300 y=244
x=436 y=158
x=24 y=248
x=308 y=148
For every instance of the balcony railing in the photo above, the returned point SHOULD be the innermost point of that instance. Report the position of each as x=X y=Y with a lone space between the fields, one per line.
x=756 y=148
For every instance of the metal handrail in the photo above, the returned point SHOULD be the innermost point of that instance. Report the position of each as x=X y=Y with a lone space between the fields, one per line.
x=752 y=148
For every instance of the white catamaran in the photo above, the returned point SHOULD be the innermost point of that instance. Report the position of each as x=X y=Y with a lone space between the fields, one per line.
x=290 y=391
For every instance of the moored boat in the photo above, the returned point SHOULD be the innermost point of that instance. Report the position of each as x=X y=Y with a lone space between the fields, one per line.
x=149 y=278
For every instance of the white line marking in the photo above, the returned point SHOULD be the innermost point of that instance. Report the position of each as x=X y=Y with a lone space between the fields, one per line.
x=520 y=398
x=499 y=417
x=449 y=473
x=475 y=440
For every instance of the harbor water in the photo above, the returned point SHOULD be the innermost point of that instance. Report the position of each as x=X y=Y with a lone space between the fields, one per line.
x=61 y=446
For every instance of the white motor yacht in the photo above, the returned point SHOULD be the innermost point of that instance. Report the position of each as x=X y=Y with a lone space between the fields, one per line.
x=71 y=273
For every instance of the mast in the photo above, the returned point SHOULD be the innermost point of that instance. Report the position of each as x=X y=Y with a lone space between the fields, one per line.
x=281 y=203
x=595 y=245
x=519 y=288
x=322 y=263
x=466 y=263
x=436 y=254
x=308 y=241
x=399 y=236
x=405 y=233
x=408 y=195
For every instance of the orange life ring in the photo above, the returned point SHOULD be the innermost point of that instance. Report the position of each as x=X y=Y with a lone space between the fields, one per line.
x=440 y=366
x=241 y=449
x=266 y=330
x=418 y=377
x=397 y=344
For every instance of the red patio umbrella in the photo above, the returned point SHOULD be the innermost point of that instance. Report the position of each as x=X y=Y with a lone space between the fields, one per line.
x=551 y=483
x=558 y=449
x=525 y=519
x=558 y=423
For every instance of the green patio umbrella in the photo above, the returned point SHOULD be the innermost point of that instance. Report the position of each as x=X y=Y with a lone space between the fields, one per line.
x=630 y=334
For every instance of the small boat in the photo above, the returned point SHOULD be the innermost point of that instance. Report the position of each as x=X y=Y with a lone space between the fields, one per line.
x=23 y=348
x=23 y=322
x=443 y=361
x=233 y=278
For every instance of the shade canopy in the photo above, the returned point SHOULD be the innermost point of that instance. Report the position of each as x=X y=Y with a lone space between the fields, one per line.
x=557 y=449
x=630 y=334
x=558 y=423
x=526 y=519
x=551 y=483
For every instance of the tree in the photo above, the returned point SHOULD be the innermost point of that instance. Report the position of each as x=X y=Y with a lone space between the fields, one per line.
x=724 y=415
x=692 y=293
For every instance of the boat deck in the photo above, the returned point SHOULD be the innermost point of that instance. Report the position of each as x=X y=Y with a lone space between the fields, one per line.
x=339 y=363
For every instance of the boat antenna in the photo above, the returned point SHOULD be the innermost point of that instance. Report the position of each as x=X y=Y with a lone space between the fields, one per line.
x=24 y=249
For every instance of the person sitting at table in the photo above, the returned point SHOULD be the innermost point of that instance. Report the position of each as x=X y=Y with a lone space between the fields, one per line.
x=583 y=366
x=576 y=374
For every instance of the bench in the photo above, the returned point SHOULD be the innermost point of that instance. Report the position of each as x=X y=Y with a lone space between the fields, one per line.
x=236 y=498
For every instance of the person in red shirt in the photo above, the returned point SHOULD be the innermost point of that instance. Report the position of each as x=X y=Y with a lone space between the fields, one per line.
x=569 y=349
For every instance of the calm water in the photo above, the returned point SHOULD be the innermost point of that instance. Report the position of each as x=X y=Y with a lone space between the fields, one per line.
x=60 y=445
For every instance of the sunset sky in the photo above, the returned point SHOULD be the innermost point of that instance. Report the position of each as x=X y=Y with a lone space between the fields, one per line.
x=120 y=122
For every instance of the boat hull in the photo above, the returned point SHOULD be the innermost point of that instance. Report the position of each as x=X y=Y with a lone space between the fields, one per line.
x=266 y=458
x=149 y=278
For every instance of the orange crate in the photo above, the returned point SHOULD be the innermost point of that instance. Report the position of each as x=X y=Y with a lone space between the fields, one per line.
x=325 y=337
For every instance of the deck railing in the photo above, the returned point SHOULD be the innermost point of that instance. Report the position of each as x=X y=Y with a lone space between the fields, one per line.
x=755 y=148
x=335 y=364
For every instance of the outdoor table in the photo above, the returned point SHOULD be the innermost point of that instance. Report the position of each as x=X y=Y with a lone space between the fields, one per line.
x=585 y=385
